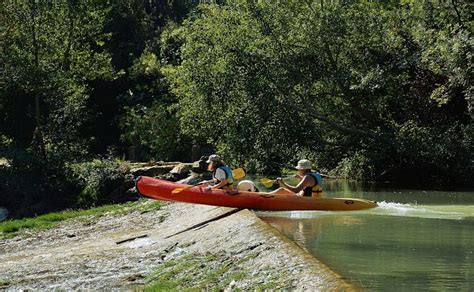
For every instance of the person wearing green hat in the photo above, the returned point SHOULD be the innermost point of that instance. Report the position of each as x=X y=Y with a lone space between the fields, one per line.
x=309 y=186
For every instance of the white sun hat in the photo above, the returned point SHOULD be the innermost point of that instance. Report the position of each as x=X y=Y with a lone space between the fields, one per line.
x=214 y=158
x=304 y=164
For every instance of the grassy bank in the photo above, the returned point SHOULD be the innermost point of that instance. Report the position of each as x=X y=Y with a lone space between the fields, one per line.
x=210 y=271
x=10 y=228
x=4 y=283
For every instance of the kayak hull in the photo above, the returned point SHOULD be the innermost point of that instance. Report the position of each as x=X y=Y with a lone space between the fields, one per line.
x=162 y=190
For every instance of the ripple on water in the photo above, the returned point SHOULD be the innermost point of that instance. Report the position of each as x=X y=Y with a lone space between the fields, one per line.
x=449 y=212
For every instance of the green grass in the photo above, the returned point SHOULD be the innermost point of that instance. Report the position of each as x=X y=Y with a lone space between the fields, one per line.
x=4 y=282
x=198 y=272
x=9 y=228
x=195 y=272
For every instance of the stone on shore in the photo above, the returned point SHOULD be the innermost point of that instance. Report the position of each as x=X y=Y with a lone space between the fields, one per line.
x=152 y=171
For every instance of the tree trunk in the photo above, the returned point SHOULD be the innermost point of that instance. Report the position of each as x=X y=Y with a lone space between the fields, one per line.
x=37 y=135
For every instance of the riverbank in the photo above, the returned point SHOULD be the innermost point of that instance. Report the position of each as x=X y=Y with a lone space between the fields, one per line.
x=175 y=247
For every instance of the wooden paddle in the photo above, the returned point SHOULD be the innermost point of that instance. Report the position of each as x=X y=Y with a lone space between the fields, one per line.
x=237 y=173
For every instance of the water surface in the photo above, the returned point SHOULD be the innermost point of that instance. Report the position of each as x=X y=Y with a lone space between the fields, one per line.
x=414 y=240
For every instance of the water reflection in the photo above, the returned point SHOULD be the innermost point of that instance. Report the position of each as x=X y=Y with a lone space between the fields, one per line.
x=383 y=253
x=415 y=240
x=308 y=231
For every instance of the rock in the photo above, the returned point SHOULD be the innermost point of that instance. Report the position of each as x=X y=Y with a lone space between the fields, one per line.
x=195 y=178
x=182 y=168
x=152 y=170
x=231 y=286
x=200 y=166
x=169 y=177
x=134 y=278
x=190 y=180
x=168 y=163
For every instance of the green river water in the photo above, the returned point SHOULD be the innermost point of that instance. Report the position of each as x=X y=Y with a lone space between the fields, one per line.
x=415 y=240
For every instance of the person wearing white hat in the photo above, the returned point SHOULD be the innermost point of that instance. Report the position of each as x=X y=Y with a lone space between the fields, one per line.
x=310 y=184
x=222 y=177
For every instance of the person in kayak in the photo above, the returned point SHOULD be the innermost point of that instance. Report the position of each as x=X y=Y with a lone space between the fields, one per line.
x=221 y=174
x=309 y=186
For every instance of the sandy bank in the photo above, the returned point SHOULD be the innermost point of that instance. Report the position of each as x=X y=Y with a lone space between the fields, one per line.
x=178 y=246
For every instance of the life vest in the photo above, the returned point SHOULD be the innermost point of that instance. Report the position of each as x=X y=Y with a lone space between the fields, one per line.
x=315 y=190
x=228 y=174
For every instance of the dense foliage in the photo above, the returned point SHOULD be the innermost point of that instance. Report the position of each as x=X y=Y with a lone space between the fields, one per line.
x=74 y=75
x=374 y=90
x=370 y=90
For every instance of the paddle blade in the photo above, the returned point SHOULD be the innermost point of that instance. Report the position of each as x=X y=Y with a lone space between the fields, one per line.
x=179 y=190
x=268 y=183
x=238 y=173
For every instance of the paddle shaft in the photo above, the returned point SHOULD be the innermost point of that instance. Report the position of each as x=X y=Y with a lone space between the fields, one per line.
x=269 y=182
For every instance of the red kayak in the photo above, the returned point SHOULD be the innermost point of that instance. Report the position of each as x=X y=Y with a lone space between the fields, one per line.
x=163 y=190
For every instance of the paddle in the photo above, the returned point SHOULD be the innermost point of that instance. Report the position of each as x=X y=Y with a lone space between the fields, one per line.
x=237 y=173
x=268 y=183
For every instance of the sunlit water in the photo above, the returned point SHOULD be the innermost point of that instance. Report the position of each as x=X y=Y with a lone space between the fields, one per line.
x=414 y=240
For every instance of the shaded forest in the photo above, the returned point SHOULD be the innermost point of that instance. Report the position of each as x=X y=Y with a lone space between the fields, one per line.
x=369 y=90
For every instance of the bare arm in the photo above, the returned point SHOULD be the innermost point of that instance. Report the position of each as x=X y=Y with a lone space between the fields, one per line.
x=305 y=182
x=207 y=182
x=219 y=185
x=215 y=186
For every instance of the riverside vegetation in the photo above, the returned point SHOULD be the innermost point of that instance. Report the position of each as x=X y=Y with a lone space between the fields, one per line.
x=371 y=90
x=11 y=228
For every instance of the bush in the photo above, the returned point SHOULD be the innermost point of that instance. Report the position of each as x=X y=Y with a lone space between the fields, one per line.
x=443 y=153
x=357 y=166
x=97 y=178
x=32 y=185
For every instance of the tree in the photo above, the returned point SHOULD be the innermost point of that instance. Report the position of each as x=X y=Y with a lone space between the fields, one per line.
x=51 y=50
x=267 y=83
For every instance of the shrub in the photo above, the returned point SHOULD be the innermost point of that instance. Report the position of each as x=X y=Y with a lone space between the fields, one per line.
x=98 y=178
x=357 y=166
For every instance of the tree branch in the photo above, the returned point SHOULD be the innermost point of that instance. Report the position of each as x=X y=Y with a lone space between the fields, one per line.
x=313 y=112
x=67 y=52
x=458 y=14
